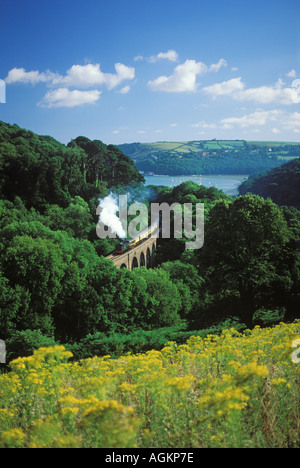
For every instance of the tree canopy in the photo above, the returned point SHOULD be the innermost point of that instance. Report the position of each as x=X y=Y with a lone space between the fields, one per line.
x=281 y=184
x=42 y=171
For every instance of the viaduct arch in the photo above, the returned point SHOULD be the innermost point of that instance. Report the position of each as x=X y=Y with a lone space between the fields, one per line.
x=141 y=255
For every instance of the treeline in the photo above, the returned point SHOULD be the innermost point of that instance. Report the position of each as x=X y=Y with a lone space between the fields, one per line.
x=281 y=184
x=245 y=159
x=42 y=171
x=237 y=163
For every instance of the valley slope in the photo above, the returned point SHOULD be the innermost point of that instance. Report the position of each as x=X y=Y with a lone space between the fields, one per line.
x=209 y=156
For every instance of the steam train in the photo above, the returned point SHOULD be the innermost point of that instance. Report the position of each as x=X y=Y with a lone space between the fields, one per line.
x=131 y=243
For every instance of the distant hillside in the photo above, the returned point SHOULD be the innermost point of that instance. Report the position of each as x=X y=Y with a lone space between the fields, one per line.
x=209 y=156
x=281 y=184
x=40 y=170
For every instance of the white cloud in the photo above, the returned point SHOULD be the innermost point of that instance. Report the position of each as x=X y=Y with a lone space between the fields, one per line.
x=171 y=55
x=278 y=120
x=258 y=118
x=216 y=66
x=79 y=76
x=291 y=122
x=269 y=94
x=184 y=77
x=63 y=97
x=20 y=75
x=125 y=90
x=292 y=74
x=182 y=80
x=92 y=75
x=261 y=95
x=225 y=88
x=138 y=58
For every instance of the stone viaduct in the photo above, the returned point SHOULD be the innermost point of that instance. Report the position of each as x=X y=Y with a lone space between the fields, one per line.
x=141 y=255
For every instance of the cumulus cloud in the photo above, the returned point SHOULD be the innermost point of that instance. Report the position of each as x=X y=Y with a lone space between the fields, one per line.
x=235 y=88
x=171 y=55
x=79 y=76
x=138 y=58
x=125 y=90
x=269 y=94
x=230 y=87
x=63 y=97
x=257 y=118
x=183 y=78
x=279 y=120
x=291 y=122
x=20 y=75
x=91 y=75
x=217 y=66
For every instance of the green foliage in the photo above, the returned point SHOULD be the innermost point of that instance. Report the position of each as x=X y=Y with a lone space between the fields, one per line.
x=187 y=192
x=189 y=284
x=246 y=251
x=281 y=184
x=105 y=163
x=76 y=219
x=157 y=297
x=265 y=318
x=141 y=341
x=42 y=171
x=209 y=157
x=24 y=343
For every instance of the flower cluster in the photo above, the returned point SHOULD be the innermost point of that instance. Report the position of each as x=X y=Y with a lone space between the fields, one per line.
x=231 y=390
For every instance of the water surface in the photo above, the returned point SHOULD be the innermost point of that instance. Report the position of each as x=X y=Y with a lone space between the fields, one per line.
x=228 y=183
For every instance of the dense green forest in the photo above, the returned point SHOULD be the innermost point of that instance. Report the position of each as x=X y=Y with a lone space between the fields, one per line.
x=281 y=184
x=58 y=287
x=209 y=157
x=42 y=171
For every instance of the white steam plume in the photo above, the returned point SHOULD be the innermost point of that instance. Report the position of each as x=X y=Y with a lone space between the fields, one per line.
x=108 y=209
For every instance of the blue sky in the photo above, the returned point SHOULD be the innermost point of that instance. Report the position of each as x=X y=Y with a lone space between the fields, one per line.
x=152 y=70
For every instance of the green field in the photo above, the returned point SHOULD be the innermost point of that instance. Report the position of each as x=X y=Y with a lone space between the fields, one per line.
x=271 y=143
x=137 y=150
x=210 y=156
